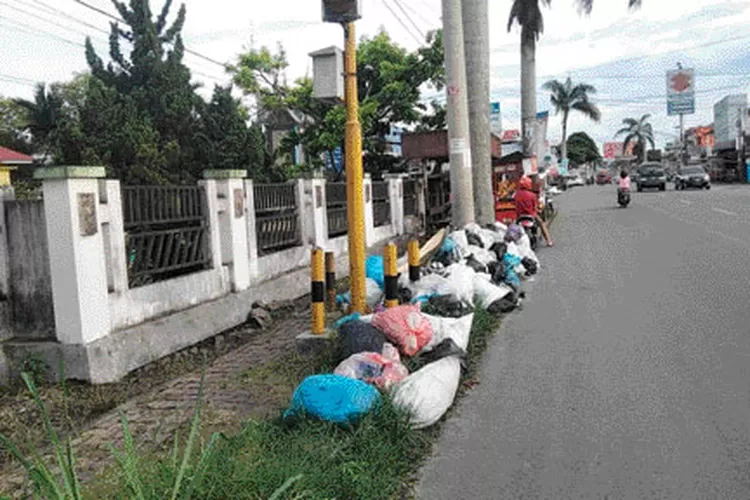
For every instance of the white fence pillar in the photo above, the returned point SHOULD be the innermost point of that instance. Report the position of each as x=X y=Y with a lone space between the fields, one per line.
x=396 y=193
x=231 y=207
x=316 y=213
x=369 y=215
x=212 y=213
x=113 y=232
x=252 y=234
x=76 y=252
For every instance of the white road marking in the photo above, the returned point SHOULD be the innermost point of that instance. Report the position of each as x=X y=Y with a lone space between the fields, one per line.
x=685 y=202
x=722 y=211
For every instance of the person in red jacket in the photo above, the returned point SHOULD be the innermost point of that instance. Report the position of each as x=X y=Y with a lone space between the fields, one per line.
x=527 y=203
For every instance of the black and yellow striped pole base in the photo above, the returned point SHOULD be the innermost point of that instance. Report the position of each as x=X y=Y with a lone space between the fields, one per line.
x=414 y=267
x=390 y=257
x=317 y=278
x=331 y=280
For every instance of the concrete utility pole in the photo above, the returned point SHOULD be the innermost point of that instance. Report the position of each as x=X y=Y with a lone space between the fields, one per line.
x=462 y=191
x=476 y=26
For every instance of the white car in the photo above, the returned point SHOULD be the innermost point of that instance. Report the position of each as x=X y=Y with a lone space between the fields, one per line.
x=575 y=181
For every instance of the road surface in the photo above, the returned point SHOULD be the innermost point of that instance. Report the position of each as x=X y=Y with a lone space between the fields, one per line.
x=627 y=373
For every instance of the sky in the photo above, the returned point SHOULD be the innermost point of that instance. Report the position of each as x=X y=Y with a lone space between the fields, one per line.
x=624 y=54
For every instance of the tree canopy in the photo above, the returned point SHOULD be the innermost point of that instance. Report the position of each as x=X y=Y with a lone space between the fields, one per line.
x=389 y=83
x=582 y=149
x=638 y=131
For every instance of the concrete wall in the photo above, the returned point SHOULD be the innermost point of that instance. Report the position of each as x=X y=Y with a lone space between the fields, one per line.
x=30 y=308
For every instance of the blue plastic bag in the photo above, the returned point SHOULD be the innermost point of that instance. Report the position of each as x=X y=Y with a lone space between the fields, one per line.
x=511 y=262
x=333 y=398
x=375 y=270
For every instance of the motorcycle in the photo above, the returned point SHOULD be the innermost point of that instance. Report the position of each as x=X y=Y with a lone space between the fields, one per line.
x=530 y=225
x=623 y=197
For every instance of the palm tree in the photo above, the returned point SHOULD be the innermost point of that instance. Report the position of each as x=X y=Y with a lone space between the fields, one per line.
x=567 y=97
x=44 y=117
x=638 y=131
x=528 y=14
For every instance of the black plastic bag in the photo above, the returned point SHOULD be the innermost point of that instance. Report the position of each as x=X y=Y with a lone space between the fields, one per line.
x=499 y=248
x=503 y=306
x=356 y=336
x=499 y=273
x=444 y=349
x=447 y=306
x=530 y=265
x=474 y=239
x=474 y=263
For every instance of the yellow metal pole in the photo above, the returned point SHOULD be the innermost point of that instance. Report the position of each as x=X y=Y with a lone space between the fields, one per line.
x=414 y=267
x=317 y=278
x=331 y=280
x=390 y=258
x=354 y=175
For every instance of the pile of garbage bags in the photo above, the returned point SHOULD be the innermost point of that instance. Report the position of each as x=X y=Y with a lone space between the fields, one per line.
x=473 y=267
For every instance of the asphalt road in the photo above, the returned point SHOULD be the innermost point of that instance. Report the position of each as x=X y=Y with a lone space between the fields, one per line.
x=627 y=373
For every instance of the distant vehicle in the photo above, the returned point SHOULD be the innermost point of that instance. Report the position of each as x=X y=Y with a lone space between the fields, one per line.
x=575 y=180
x=651 y=175
x=603 y=177
x=692 y=177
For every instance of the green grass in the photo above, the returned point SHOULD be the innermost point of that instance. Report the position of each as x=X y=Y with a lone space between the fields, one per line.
x=377 y=459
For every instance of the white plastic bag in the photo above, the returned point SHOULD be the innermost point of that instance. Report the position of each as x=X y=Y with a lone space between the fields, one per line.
x=487 y=292
x=461 y=277
x=427 y=285
x=373 y=293
x=462 y=242
x=429 y=392
x=524 y=249
x=483 y=255
x=456 y=329
x=380 y=369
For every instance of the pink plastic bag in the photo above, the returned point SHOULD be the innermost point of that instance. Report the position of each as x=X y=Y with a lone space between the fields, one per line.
x=382 y=370
x=405 y=326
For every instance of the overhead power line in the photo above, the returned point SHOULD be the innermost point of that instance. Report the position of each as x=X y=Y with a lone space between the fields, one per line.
x=409 y=18
x=37 y=17
x=647 y=56
x=35 y=31
x=187 y=50
x=401 y=22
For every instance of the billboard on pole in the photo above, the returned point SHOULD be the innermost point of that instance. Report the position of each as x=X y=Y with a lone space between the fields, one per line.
x=496 y=123
x=680 y=92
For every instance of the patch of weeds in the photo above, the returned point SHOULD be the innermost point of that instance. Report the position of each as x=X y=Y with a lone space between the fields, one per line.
x=35 y=366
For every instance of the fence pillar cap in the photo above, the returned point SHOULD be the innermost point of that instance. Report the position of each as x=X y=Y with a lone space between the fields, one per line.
x=224 y=174
x=70 y=172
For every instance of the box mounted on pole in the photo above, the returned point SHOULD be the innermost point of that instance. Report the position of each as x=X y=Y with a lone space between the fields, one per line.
x=341 y=11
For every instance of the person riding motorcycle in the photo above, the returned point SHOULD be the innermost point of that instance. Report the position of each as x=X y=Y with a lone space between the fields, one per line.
x=624 y=184
x=527 y=204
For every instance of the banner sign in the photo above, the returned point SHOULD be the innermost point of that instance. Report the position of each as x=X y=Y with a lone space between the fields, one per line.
x=680 y=92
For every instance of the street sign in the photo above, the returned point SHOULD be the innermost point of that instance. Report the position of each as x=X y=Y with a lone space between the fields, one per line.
x=680 y=92
x=496 y=124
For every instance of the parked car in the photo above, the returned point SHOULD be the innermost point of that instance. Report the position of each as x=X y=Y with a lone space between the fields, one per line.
x=692 y=176
x=603 y=177
x=574 y=180
x=652 y=175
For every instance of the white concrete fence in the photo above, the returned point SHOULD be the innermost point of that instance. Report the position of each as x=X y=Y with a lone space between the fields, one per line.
x=89 y=261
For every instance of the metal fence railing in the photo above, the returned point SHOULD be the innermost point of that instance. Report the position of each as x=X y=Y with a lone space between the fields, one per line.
x=410 y=198
x=381 y=204
x=336 y=209
x=166 y=232
x=277 y=218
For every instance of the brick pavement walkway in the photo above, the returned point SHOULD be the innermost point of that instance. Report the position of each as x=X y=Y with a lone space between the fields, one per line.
x=154 y=417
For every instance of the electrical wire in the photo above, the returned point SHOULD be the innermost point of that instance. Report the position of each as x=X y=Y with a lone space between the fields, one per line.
x=401 y=22
x=32 y=30
x=58 y=12
x=416 y=12
x=647 y=56
x=187 y=50
x=409 y=18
